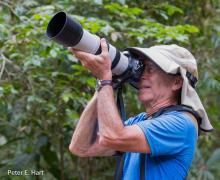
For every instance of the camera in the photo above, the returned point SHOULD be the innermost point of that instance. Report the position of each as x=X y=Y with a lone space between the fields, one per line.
x=68 y=32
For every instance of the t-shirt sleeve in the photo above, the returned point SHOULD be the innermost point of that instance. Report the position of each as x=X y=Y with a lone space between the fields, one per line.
x=166 y=134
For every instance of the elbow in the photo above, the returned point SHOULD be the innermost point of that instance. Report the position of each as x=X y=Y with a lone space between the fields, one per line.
x=102 y=141
x=107 y=142
x=111 y=139
x=76 y=151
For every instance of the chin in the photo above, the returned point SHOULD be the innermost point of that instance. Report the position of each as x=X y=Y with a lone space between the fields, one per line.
x=144 y=99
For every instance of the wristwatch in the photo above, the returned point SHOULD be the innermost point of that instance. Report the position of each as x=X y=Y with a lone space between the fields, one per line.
x=102 y=83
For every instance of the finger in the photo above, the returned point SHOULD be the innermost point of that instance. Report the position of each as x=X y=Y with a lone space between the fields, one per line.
x=82 y=56
x=85 y=56
x=72 y=50
x=104 y=46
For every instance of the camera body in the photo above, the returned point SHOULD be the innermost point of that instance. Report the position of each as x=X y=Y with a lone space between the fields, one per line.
x=68 y=32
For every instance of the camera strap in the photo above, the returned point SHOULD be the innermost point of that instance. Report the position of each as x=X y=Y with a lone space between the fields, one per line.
x=121 y=155
x=120 y=103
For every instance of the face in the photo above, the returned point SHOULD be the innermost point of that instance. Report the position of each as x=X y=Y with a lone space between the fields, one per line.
x=155 y=85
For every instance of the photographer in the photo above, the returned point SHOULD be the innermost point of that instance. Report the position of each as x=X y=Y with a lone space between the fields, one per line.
x=166 y=137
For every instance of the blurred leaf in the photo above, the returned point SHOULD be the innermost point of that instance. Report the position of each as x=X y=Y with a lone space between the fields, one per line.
x=214 y=158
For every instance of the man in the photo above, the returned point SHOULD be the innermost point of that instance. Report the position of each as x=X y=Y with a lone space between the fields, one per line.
x=168 y=140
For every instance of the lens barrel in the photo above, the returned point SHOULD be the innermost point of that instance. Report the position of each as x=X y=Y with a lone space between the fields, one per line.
x=68 y=32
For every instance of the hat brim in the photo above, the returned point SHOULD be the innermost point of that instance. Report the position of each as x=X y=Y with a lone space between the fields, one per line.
x=160 y=59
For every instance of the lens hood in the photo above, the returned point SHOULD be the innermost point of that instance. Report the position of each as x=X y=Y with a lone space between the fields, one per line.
x=64 y=30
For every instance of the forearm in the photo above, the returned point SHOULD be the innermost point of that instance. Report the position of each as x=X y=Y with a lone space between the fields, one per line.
x=113 y=133
x=85 y=131
x=110 y=123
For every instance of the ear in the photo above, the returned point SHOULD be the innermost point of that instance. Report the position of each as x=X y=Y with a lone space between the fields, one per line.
x=177 y=83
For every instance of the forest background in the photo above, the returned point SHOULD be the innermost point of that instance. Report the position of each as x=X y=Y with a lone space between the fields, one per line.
x=43 y=88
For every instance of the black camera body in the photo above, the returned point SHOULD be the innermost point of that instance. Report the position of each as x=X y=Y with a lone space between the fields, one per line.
x=68 y=32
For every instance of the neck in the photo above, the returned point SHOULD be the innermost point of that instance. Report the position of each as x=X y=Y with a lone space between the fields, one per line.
x=155 y=107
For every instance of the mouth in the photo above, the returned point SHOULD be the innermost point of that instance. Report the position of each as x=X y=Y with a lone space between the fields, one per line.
x=144 y=87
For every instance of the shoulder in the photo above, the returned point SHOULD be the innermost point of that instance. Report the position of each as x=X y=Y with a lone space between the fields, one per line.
x=193 y=120
x=175 y=118
x=174 y=122
x=184 y=120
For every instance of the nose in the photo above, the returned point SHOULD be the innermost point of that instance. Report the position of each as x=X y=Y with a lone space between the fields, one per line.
x=144 y=76
x=142 y=79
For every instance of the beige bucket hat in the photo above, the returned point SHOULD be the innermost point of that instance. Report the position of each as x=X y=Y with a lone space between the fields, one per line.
x=174 y=59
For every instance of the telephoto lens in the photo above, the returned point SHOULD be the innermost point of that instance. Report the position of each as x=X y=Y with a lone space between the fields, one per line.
x=70 y=33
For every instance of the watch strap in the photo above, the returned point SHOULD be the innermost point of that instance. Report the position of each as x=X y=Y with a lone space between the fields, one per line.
x=102 y=83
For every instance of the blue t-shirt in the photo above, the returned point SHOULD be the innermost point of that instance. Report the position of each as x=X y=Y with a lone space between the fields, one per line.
x=172 y=139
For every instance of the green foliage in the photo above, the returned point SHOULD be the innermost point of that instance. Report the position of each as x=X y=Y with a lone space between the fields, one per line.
x=206 y=168
x=165 y=10
x=43 y=88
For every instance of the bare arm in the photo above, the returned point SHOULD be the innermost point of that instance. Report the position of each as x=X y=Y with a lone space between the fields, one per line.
x=85 y=141
x=113 y=133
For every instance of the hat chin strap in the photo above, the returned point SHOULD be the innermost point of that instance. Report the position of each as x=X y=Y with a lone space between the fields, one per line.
x=193 y=80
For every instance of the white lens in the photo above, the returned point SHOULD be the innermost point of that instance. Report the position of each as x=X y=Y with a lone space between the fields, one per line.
x=122 y=65
x=89 y=43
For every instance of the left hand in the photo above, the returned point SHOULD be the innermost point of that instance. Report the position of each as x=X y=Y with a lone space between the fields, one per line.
x=99 y=65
